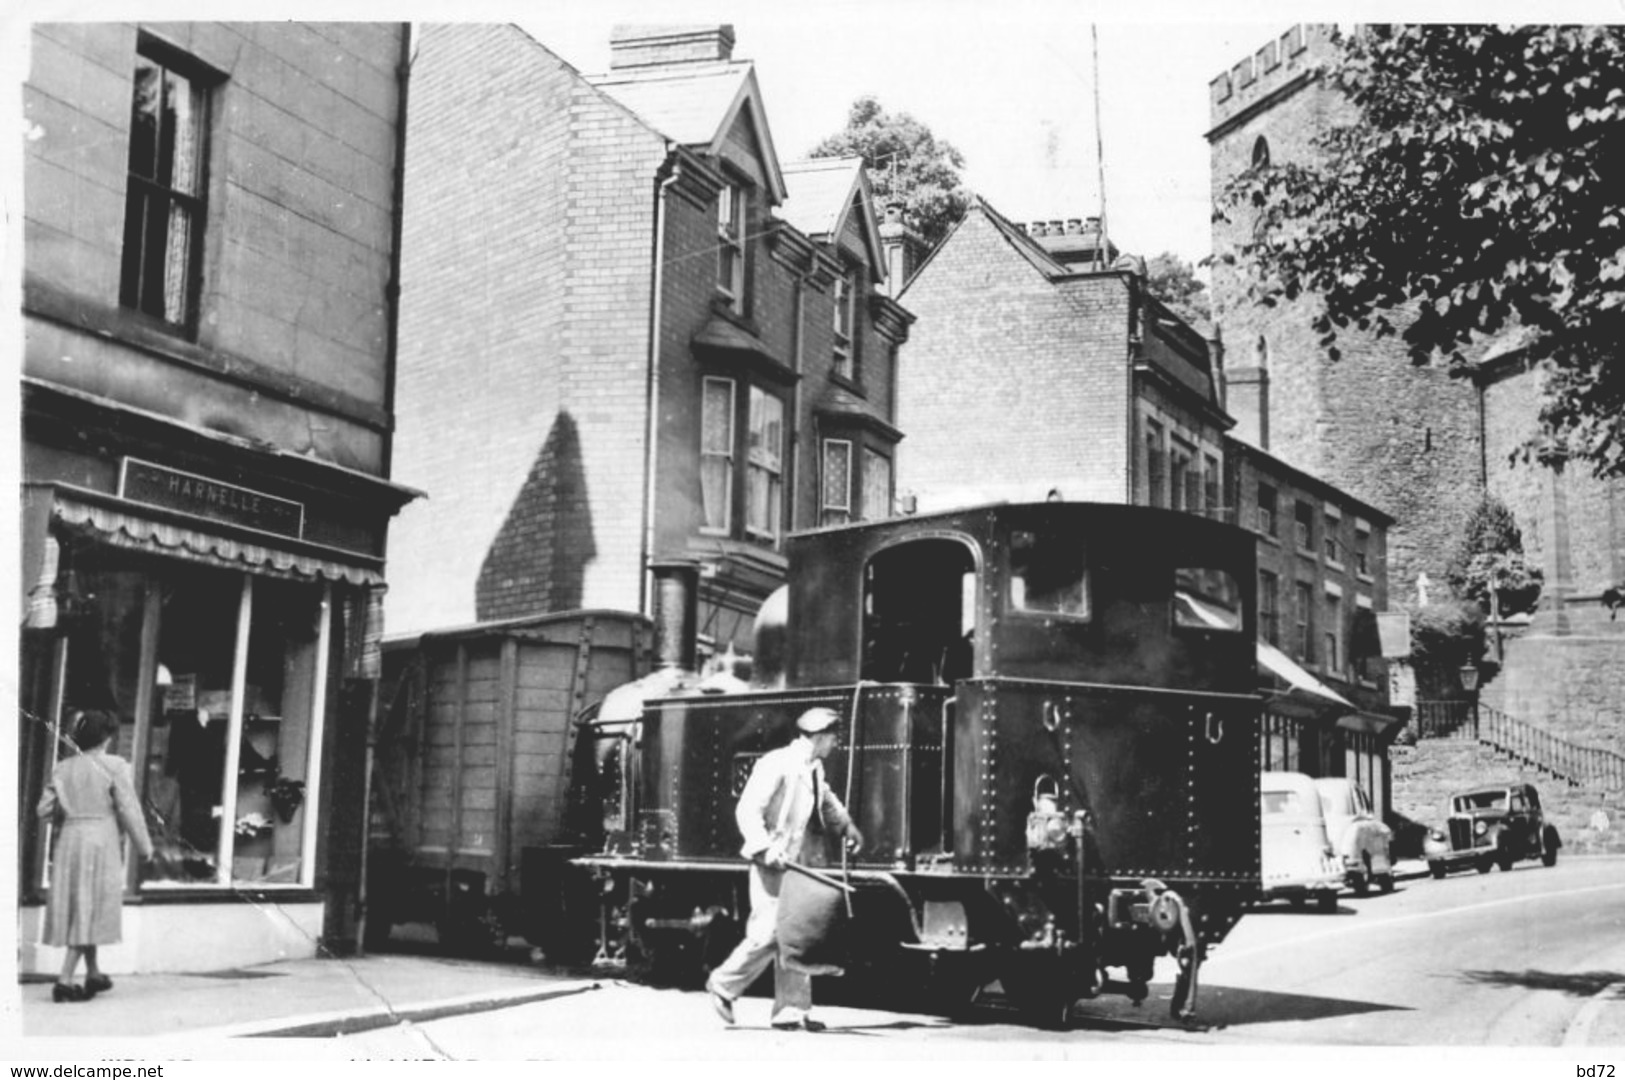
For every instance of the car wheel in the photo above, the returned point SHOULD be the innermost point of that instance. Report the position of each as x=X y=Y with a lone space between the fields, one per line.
x=1548 y=855
x=1504 y=862
x=1362 y=881
x=1436 y=869
x=1327 y=902
x=1385 y=882
x=1485 y=865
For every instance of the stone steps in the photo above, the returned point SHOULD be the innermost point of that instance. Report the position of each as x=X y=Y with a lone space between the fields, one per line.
x=1426 y=774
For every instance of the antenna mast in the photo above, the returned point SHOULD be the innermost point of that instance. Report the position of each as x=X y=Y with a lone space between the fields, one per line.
x=1100 y=150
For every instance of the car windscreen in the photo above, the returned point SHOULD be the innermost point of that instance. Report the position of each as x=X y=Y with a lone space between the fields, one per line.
x=1482 y=800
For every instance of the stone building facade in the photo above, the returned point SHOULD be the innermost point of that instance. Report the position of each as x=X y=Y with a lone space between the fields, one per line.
x=209 y=267
x=1424 y=446
x=1397 y=436
x=630 y=334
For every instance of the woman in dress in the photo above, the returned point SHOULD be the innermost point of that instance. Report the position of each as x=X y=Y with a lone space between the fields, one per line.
x=92 y=803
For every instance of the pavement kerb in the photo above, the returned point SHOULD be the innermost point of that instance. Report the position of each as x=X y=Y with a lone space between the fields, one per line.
x=354 y=1021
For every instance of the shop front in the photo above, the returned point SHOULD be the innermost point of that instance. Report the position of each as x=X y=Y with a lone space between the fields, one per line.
x=241 y=658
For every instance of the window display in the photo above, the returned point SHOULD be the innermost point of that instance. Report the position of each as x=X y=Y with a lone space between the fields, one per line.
x=219 y=678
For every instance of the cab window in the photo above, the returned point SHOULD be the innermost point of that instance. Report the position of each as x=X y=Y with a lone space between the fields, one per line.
x=1206 y=599
x=1048 y=576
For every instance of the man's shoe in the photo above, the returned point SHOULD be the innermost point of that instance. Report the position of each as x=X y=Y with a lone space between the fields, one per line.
x=721 y=1002
x=804 y=1024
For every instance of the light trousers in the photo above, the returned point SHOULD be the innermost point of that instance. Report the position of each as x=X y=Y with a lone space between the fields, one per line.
x=792 y=990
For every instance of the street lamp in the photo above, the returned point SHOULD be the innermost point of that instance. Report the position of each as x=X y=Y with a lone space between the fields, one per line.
x=1469 y=683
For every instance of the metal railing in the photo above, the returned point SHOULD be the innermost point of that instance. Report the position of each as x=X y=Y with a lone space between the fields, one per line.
x=1524 y=742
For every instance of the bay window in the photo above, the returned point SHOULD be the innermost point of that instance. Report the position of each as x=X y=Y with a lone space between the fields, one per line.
x=761 y=455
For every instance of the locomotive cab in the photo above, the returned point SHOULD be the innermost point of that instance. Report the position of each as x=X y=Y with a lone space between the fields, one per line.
x=1048 y=739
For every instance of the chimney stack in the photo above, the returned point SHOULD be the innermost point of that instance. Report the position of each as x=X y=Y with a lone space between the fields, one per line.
x=654 y=46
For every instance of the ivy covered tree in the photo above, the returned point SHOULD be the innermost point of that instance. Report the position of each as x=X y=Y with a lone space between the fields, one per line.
x=1479 y=188
x=906 y=163
x=1489 y=566
x=1173 y=281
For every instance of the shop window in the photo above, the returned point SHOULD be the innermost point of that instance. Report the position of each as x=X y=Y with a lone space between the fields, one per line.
x=164 y=196
x=219 y=680
x=731 y=245
x=835 y=499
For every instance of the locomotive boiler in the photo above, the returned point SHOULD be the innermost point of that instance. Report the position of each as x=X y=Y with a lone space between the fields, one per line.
x=1048 y=740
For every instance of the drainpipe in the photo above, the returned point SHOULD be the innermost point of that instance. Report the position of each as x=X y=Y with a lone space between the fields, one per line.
x=392 y=294
x=652 y=394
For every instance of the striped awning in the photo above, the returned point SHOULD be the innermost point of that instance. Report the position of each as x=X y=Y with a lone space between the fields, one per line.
x=137 y=532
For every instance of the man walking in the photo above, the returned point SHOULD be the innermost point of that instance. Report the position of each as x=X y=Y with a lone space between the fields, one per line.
x=785 y=793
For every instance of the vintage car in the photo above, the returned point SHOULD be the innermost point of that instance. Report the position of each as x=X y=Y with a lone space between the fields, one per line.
x=1297 y=859
x=1492 y=826
x=1358 y=837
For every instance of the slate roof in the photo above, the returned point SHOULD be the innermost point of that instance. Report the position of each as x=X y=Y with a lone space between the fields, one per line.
x=694 y=104
x=820 y=194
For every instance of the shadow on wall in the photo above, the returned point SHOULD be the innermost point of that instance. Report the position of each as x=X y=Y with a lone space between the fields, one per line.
x=538 y=561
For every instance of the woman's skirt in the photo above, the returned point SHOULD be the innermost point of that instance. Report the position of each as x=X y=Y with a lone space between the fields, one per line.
x=86 y=904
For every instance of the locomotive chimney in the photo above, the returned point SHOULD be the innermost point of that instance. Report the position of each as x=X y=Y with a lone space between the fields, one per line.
x=677 y=613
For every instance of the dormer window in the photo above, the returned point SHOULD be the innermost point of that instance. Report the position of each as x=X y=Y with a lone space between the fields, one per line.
x=731 y=245
x=845 y=318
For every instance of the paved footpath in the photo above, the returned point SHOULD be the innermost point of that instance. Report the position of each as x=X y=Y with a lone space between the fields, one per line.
x=314 y=998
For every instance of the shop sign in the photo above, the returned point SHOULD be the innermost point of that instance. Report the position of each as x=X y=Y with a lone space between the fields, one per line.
x=1394 y=632
x=1401 y=685
x=155 y=485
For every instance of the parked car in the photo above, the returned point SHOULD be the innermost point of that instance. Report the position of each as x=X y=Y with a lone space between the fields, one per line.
x=1297 y=860
x=1492 y=826
x=1358 y=837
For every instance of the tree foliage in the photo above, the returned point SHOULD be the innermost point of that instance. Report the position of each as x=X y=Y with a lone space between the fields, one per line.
x=1479 y=189
x=1173 y=281
x=1444 y=638
x=1488 y=565
x=906 y=163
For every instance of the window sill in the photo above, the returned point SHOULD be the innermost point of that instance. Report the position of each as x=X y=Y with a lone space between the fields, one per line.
x=1273 y=541
x=846 y=382
x=1367 y=578
x=1333 y=564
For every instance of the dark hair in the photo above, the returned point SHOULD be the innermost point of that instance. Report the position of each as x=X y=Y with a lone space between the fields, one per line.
x=95 y=726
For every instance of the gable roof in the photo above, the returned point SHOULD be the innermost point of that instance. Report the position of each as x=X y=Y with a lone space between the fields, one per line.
x=823 y=193
x=696 y=105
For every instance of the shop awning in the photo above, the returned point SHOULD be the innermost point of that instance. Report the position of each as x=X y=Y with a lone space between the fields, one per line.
x=1276 y=661
x=122 y=526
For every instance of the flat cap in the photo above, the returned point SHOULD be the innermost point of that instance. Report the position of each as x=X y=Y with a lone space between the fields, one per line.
x=816 y=719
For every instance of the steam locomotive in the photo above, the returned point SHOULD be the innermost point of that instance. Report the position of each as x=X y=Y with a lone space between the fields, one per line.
x=1048 y=740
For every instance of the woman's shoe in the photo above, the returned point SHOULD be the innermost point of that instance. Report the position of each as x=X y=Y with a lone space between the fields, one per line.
x=68 y=992
x=97 y=984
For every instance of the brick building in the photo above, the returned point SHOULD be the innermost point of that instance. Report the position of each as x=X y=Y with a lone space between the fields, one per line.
x=629 y=333
x=210 y=248
x=1320 y=587
x=1423 y=445
x=1029 y=372
x=1026 y=375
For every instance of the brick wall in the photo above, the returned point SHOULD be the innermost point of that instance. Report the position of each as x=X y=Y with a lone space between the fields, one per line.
x=524 y=336
x=1009 y=386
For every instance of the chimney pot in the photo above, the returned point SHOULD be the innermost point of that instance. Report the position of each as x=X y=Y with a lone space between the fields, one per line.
x=1074 y=226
